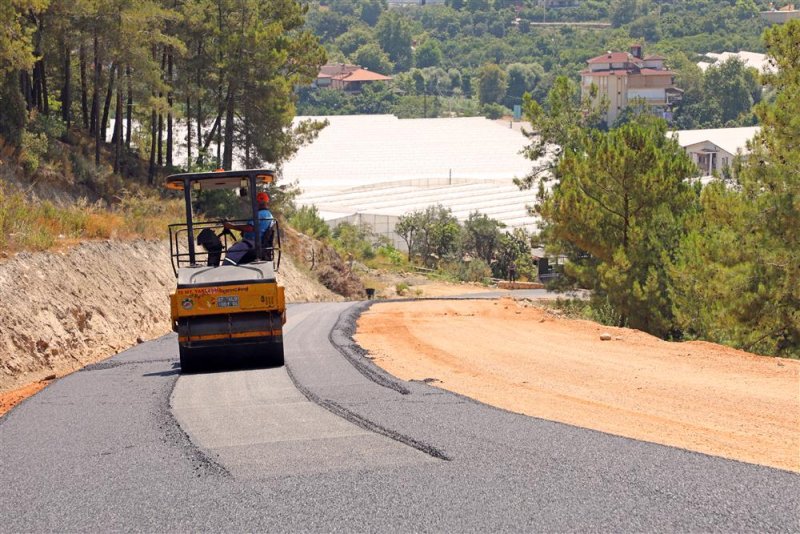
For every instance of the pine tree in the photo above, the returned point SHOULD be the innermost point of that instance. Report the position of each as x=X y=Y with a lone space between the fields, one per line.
x=618 y=208
x=737 y=276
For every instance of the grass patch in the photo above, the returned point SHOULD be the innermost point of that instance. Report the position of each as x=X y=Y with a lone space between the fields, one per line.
x=27 y=225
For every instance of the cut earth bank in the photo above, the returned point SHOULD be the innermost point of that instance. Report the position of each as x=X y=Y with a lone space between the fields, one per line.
x=523 y=358
x=63 y=310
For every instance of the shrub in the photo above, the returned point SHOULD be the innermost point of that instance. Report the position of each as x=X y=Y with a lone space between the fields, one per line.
x=33 y=147
x=475 y=270
x=392 y=255
x=307 y=220
x=494 y=111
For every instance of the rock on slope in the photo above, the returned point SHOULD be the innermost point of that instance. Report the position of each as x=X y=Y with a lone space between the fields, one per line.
x=63 y=310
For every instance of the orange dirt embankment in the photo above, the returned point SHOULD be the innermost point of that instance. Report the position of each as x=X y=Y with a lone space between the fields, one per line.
x=695 y=395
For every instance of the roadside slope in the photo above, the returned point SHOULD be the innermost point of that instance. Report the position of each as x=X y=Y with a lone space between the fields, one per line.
x=62 y=310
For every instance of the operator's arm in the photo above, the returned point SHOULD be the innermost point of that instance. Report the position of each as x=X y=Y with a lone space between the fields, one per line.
x=238 y=227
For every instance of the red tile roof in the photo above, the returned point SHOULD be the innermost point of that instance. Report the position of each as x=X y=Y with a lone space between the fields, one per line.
x=612 y=57
x=363 y=75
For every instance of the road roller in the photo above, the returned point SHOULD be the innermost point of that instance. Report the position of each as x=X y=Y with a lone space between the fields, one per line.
x=227 y=308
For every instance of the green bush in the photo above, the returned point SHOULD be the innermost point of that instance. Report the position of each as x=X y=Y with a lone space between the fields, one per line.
x=494 y=111
x=394 y=256
x=475 y=270
x=307 y=220
x=33 y=147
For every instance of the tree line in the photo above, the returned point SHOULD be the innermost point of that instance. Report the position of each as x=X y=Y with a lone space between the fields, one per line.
x=479 y=57
x=473 y=250
x=664 y=254
x=124 y=73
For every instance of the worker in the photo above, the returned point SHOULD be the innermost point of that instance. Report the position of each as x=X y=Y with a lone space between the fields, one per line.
x=512 y=272
x=244 y=251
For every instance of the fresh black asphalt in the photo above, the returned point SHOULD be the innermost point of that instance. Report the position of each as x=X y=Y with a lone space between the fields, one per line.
x=331 y=443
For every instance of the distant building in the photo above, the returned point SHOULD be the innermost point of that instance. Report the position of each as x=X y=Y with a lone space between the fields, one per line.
x=779 y=16
x=622 y=76
x=344 y=77
x=713 y=150
x=754 y=60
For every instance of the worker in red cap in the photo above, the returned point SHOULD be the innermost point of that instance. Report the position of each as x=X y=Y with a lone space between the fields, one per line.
x=244 y=250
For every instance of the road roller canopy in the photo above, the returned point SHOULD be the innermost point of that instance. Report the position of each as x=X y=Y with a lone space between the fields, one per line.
x=248 y=182
x=203 y=181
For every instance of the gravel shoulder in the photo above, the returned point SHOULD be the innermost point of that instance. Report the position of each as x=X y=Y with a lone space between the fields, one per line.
x=694 y=395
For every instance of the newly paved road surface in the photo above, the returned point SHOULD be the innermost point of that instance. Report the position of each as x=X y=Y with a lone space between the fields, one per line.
x=330 y=443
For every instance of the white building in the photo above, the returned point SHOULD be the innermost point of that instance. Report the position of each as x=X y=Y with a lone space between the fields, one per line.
x=714 y=149
x=377 y=168
x=754 y=60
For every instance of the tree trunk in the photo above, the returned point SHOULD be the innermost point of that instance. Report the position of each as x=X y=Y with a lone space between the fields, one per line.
x=129 y=109
x=161 y=116
x=66 y=89
x=188 y=133
x=212 y=132
x=25 y=87
x=169 y=111
x=227 y=158
x=40 y=87
x=107 y=105
x=96 y=100
x=160 y=147
x=117 y=110
x=200 y=151
x=246 y=124
x=84 y=93
x=45 y=94
x=118 y=126
x=151 y=173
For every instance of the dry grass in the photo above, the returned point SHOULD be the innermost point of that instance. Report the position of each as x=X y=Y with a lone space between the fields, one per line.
x=26 y=225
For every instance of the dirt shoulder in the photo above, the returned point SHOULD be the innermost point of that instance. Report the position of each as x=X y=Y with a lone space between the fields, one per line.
x=698 y=396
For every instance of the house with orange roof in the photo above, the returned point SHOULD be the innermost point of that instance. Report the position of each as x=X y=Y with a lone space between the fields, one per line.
x=620 y=77
x=344 y=77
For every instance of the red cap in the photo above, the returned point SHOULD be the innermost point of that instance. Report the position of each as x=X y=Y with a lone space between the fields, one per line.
x=262 y=198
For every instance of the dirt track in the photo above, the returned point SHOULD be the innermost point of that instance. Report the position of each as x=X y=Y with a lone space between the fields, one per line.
x=698 y=396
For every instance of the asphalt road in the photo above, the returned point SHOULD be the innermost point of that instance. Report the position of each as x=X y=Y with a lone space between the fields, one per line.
x=331 y=443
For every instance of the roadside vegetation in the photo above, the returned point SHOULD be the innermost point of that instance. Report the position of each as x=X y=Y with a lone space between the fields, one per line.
x=42 y=225
x=478 y=250
x=720 y=262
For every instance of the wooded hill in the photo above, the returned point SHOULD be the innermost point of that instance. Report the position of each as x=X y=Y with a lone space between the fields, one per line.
x=227 y=69
x=471 y=57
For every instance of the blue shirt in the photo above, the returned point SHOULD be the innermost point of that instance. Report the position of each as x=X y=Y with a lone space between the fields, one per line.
x=264 y=222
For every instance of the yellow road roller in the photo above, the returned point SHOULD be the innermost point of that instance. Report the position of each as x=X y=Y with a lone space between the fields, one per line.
x=227 y=308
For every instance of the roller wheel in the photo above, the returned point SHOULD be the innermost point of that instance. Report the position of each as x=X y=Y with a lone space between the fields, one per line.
x=276 y=359
x=189 y=364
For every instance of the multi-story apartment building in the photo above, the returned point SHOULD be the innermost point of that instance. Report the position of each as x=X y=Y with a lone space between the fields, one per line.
x=621 y=77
